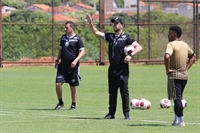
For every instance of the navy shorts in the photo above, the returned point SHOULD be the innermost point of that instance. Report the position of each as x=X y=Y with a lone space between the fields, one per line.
x=68 y=75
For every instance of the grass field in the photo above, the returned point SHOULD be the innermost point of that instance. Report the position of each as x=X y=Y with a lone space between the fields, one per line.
x=27 y=99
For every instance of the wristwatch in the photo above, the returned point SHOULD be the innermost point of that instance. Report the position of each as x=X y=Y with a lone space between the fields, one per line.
x=57 y=61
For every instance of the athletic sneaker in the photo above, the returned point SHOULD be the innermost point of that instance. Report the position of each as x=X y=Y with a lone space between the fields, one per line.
x=174 y=122
x=182 y=124
x=58 y=106
x=126 y=116
x=108 y=116
x=72 y=107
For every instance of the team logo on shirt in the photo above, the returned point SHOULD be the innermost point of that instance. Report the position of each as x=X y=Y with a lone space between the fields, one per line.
x=123 y=36
x=66 y=44
x=73 y=80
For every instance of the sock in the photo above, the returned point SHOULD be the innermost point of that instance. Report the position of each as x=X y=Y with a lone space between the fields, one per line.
x=181 y=119
x=60 y=101
x=73 y=104
x=175 y=117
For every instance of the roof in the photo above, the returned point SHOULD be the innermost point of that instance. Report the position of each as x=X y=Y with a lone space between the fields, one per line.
x=5 y=15
x=84 y=6
x=41 y=6
x=62 y=18
x=60 y=9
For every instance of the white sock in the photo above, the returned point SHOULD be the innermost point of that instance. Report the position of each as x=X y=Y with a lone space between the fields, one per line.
x=181 y=119
x=175 y=117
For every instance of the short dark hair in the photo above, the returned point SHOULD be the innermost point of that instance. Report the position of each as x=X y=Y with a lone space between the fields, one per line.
x=72 y=25
x=176 y=29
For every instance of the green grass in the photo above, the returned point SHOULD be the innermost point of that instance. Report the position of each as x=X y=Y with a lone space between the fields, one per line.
x=27 y=97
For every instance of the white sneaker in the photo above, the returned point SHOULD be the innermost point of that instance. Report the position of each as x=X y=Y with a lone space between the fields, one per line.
x=182 y=124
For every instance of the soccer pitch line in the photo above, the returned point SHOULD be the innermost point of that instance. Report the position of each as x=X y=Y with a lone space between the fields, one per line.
x=6 y=113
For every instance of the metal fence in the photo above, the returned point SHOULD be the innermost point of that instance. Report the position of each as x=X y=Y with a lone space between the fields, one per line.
x=52 y=35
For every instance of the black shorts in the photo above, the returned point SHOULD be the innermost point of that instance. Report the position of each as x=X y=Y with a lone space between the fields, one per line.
x=175 y=88
x=68 y=75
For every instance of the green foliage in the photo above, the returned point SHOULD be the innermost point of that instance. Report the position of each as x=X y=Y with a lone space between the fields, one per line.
x=157 y=39
x=47 y=2
x=120 y=3
x=39 y=40
x=18 y=4
x=25 y=40
x=80 y=15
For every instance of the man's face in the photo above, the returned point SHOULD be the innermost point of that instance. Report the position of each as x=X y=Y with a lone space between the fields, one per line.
x=172 y=36
x=68 y=28
x=117 y=26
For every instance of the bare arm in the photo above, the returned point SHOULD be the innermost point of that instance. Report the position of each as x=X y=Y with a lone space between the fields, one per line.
x=167 y=64
x=191 y=61
x=80 y=55
x=94 y=29
x=137 y=49
x=58 y=56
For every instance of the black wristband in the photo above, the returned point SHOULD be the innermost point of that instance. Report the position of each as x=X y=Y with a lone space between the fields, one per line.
x=130 y=55
x=56 y=60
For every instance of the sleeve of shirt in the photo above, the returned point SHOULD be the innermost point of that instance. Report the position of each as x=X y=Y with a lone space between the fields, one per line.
x=130 y=40
x=80 y=44
x=107 y=37
x=169 y=49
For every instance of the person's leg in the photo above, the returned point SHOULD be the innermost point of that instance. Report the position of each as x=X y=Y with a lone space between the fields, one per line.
x=60 y=79
x=59 y=96
x=112 y=90
x=123 y=81
x=73 y=97
x=178 y=107
x=59 y=90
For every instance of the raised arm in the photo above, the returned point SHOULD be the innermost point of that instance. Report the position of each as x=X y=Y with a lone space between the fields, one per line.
x=94 y=29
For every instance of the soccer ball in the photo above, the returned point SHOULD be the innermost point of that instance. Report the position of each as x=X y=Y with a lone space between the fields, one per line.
x=142 y=102
x=135 y=103
x=128 y=49
x=146 y=104
x=184 y=103
x=165 y=103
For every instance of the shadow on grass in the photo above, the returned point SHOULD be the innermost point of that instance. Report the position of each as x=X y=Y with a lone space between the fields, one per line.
x=149 y=124
x=38 y=109
x=86 y=118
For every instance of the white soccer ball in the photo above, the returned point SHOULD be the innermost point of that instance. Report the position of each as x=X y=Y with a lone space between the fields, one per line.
x=135 y=103
x=184 y=103
x=146 y=104
x=128 y=49
x=165 y=103
x=142 y=102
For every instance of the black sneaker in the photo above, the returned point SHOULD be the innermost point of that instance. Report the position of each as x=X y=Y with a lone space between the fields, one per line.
x=108 y=116
x=58 y=106
x=127 y=117
x=72 y=107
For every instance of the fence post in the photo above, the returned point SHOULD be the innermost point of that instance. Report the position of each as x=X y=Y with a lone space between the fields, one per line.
x=1 y=48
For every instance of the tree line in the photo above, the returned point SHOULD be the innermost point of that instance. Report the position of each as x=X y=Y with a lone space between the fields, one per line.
x=41 y=38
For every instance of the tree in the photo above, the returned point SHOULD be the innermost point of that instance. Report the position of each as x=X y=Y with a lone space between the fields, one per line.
x=25 y=40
